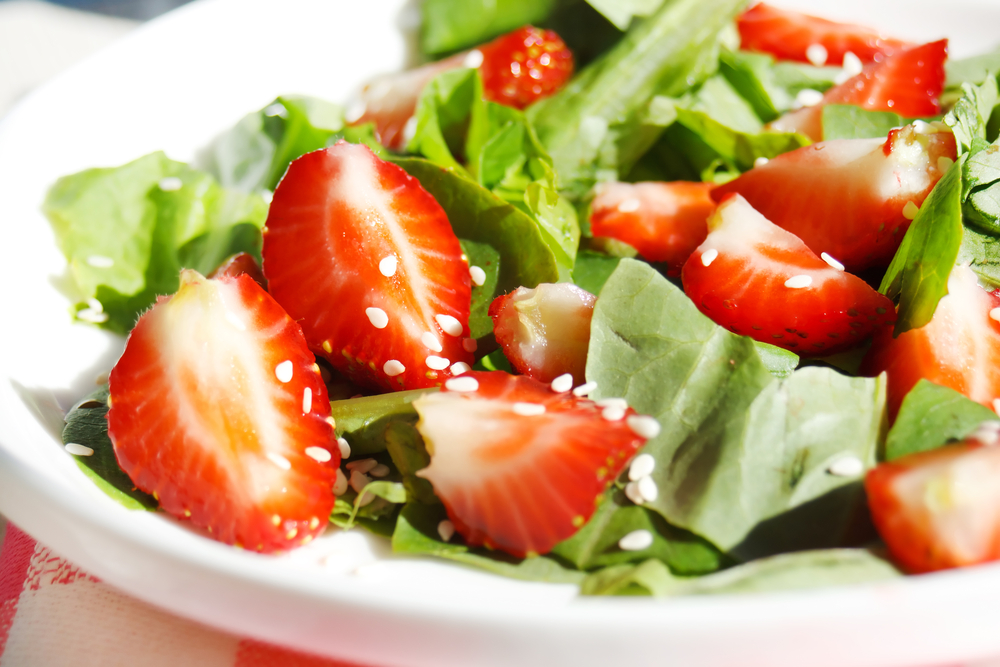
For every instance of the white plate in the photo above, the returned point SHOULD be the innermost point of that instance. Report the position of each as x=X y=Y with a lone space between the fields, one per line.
x=173 y=85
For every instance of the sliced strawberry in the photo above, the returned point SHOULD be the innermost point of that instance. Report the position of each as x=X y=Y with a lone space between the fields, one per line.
x=524 y=66
x=518 y=466
x=241 y=262
x=218 y=409
x=850 y=198
x=665 y=222
x=908 y=83
x=365 y=260
x=758 y=280
x=545 y=331
x=791 y=35
x=958 y=348
x=940 y=509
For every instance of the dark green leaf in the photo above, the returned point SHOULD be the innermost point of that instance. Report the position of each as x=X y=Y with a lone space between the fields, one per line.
x=488 y=259
x=846 y=121
x=931 y=416
x=451 y=25
x=592 y=270
x=406 y=447
x=363 y=421
x=771 y=87
x=621 y=12
x=982 y=253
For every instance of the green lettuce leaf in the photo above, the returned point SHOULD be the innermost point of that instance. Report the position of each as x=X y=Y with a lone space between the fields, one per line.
x=846 y=121
x=592 y=270
x=973 y=70
x=621 y=12
x=969 y=116
x=444 y=111
x=771 y=86
x=932 y=416
x=488 y=259
x=452 y=25
x=362 y=421
x=409 y=455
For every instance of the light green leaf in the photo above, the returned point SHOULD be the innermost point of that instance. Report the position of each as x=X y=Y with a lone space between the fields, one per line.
x=846 y=121
x=778 y=360
x=971 y=112
x=592 y=270
x=932 y=416
x=443 y=115
x=362 y=421
x=451 y=25
x=621 y=12
x=488 y=259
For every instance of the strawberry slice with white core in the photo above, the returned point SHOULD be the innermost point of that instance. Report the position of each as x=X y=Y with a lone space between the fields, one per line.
x=908 y=83
x=545 y=331
x=940 y=509
x=665 y=222
x=758 y=280
x=518 y=466
x=958 y=348
x=218 y=409
x=365 y=260
x=850 y=198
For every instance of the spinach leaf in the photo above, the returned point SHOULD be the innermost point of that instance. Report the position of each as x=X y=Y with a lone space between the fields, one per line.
x=409 y=455
x=127 y=231
x=488 y=259
x=451 y=25
x=932 y=416
x=969 y=116
x=621 y=12
x=771 y=86
x=592 y=270
x=778 y=360
x=363 y=421
x=444 y=111
x=973 y=70
x=982 y=253
x=846 y=121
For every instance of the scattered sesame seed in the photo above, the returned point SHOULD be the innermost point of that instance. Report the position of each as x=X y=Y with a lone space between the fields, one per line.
x=643 y=426
x=637 y=540
x=808 y=97
x=387 y=267
x=641 y=466
x=319 y=454
x=378 y=317
x=381 y=470
x=276 y=109
x=563 y=383
x=647 y=489
x=613 y=402
x=613 y=413
x=283 y=371
x=79 y=450
x=355 y=110
x=431 y=342
x=632 y=493
x=340 y=483
x=760 y=162
x=359 y=480
x=279 y=460
x=460 y=367
x=528 y=409
x=478 y=276
x=629 y=205
x=170 y=184
x=392 y=368
x=462 y=384
x=437 y=363
x=88 y=315
x=100 y=262
x=920 y=127
x=410 y=129
x=345 y=448
x=846 y=466
x=307 y=400
x=831 y=261
x=470 y=345
x=363 y=466
x=944 y=164
x=853 y=64
x=95 y=305
x=584 y=389
x=473 y=59
x=910 y=210
x=987 y=433
x=267 y=196
x=449 y=325
x=446 y=529
x=709 y=256
x=799 y=282
x=817 y=54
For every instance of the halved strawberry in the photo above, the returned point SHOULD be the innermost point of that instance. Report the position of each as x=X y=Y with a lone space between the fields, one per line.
x=365 y=260
x=518 y=466
x=908 y=82
x=958 y=348
x=850 y=198
x=545 y=331
x=665 y=222
x=758 y=280
x=241 y=262
x=791 y=35
x=940 y=509
x=218 y=409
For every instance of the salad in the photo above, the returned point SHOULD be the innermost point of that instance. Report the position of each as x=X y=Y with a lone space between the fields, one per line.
x=655 y=328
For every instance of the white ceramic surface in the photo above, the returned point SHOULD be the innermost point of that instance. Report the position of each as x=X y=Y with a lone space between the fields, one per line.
x=175 y=84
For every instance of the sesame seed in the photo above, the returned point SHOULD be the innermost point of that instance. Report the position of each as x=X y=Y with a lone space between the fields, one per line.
x=473 y=59
x=643 y=426
x=79 y=450
x=584 y=389
x=462 y=384
x=613 y=413
x=852 y=64
x=170 y=184
x=910 y=210
x=340 y=483
x=808 y=97
x=363 y=466
x=528 y=409
x=381 y=470
x=647 y=489
x=760 y=162
x=319 y=454
x=437 y=363
x=816 y=54
x=709 y=256
x=392 y=368
x=613 y=402
x=470 y=345
x=359 y=480
x=449 y=325
x=920 y=127
x=410 y=129
x=446 y=529
x=831 y=261
x=460 y=367
x=637 y=540
x=641 y=466
x=632 y=493
x=355 y=110
x=944 y=163
x=345 y=448
x=283 y=371
x=267 y=196
x=431 y=342
x=307 y=400
x=276 y=109
x=846 y=466
x=377 y=317
x=95 y=305
x=88 y=315
x=799 y=282
x=629 y=205
x=100 y=262
x=563 y=383
x=387 y=267
x=478 y=276
x=987 y=433
x=279 y=460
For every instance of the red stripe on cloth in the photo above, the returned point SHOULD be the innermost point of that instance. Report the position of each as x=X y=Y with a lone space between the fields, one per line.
x=253 y=653
x=15 y=558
